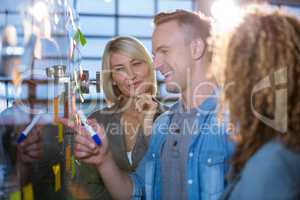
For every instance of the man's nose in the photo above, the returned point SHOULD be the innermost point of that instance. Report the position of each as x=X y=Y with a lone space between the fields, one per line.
x=157 y=62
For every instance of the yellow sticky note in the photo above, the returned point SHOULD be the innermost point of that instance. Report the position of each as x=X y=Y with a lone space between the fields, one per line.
x=60 y=132
x=73 y=166
x=16 y=195
x=27 y=192
x=55 y=108
x=68 y=157
x=57 y=174
x=66 y=107
x=73 y=103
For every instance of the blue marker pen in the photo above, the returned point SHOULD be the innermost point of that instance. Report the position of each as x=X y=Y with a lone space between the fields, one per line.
x=89 y=129
x=27 y=130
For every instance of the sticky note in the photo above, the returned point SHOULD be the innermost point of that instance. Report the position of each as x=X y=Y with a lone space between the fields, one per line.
x=73 y=166
x=28 y=192
x=73 y=103
x=66 y=107
x=57 y=175
x=16 y=195
x=55 y=108
x=60 y=132
x=68 y=157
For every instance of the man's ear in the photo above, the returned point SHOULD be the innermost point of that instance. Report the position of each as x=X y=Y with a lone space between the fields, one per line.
x=197 y=49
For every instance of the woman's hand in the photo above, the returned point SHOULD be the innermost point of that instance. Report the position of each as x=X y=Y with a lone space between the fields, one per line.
x=86 y=149
x=148 y=106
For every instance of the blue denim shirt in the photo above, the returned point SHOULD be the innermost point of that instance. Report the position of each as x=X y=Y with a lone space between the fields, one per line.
x=272 y=172
x=207 y=160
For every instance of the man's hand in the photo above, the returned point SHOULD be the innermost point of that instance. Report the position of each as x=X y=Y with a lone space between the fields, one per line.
x=31 y=148
x=86 y=149
x=100 y=155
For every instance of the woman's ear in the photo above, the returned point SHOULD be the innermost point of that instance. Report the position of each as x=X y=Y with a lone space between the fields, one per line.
x=197 y=49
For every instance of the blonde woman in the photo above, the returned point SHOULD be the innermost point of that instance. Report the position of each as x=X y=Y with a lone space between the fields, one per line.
x=129 y=85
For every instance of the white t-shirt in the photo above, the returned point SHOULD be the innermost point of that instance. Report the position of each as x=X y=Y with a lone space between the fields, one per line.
x=129 y=156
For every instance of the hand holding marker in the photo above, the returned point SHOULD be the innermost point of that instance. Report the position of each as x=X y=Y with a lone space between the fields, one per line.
x=27 y=130
x=88 y=128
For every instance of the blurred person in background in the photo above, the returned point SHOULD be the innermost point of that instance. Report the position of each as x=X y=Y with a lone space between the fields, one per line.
x=262 y=77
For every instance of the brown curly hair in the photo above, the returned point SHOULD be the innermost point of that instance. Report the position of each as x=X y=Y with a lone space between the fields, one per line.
x=264 y=43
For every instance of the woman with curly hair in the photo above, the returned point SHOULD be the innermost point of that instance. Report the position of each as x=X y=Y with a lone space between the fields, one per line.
x=262 y=75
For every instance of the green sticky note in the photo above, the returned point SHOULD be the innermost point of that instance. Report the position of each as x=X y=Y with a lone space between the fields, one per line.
x=79 y=37
x=82 y=38
x=76 y=36
x=15 y=195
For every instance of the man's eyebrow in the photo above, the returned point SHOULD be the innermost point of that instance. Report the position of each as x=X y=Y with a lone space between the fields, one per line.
x=159 y=48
